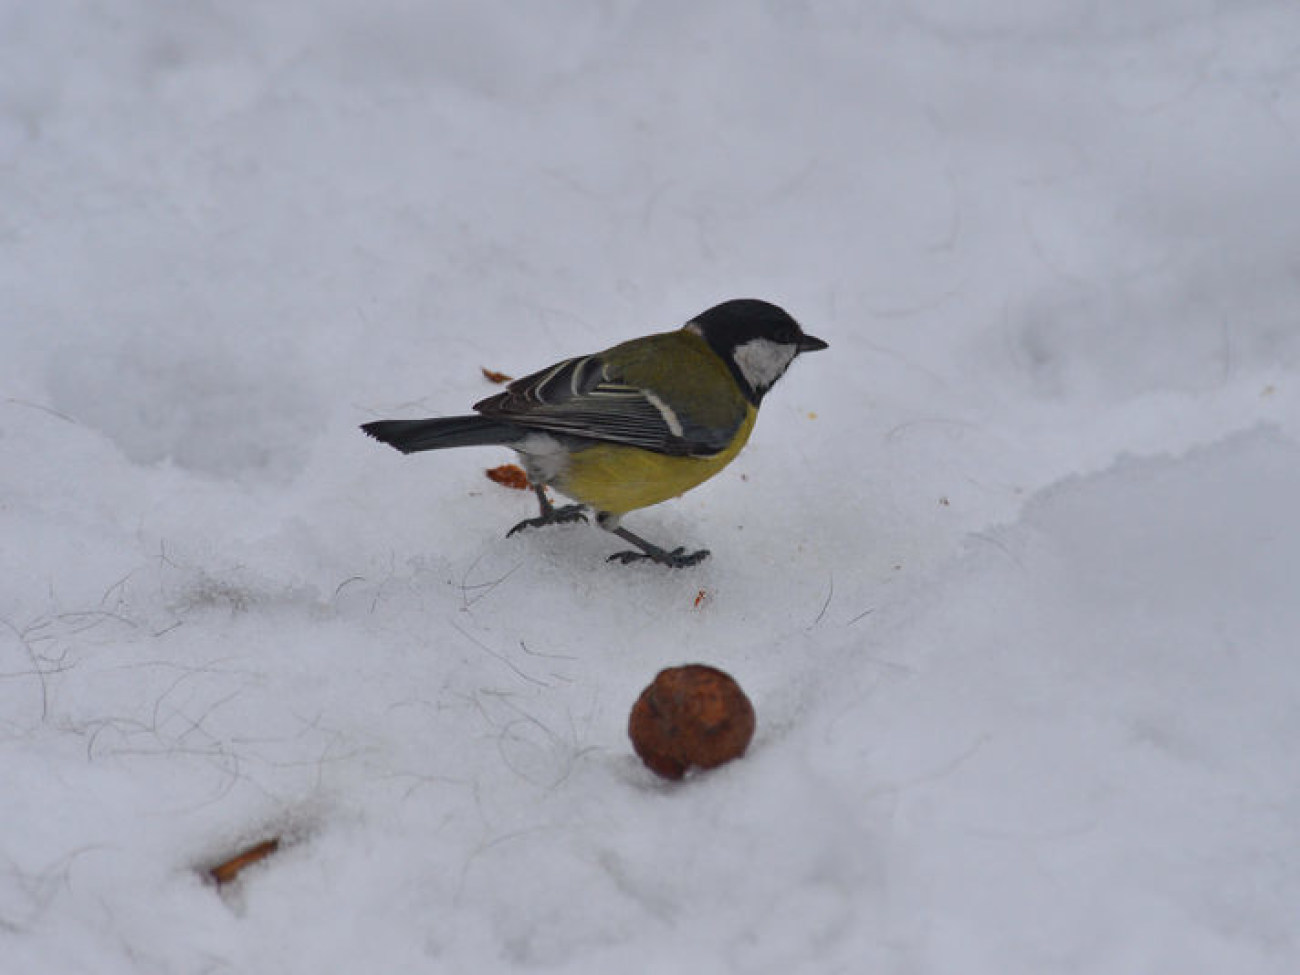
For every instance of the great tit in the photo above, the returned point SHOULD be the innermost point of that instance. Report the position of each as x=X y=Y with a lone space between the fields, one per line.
x=631 y=426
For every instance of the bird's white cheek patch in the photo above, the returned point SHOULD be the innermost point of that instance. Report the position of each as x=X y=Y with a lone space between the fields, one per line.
x=763 y=362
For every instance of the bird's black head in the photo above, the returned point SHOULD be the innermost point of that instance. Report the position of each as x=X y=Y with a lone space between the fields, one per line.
x=756 y=339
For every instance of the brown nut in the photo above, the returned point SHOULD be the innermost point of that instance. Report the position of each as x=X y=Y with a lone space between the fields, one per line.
x=694 y=715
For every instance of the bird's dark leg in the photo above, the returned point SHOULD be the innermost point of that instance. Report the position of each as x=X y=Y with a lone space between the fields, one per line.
x=550 y=515
x=678 y=558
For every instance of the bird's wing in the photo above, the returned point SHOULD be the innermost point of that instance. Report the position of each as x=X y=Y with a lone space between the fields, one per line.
x=586 y=397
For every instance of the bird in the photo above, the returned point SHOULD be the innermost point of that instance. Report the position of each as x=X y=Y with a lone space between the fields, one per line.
x=634 y=425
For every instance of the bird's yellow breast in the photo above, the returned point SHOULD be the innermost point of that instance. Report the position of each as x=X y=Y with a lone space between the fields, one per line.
x=617 y=478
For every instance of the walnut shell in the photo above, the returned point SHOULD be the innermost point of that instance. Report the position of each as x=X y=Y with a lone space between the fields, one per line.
x=691 y=716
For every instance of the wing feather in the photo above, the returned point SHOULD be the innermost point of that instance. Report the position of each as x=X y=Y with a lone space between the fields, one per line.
x=586 y=397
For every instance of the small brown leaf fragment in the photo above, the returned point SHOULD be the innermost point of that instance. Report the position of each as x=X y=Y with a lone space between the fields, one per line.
x=509 y=475
x=224 y=873
x=492 y=376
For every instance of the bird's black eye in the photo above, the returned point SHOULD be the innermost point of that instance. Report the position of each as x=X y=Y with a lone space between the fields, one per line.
x=787 y=335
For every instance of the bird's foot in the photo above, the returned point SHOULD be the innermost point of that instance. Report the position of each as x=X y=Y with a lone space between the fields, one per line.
x=555 y=516
x=678 y=558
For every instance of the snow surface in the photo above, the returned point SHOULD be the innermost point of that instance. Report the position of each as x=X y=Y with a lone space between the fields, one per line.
x=1009 y=572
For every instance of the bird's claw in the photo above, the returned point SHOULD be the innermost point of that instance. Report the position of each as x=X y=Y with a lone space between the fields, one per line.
x=556 y=516
x=678 y=558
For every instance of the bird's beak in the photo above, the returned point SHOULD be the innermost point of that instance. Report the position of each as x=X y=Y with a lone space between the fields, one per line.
x=811 y=343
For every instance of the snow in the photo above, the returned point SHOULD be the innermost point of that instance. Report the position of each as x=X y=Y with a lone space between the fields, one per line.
x=1008 y=572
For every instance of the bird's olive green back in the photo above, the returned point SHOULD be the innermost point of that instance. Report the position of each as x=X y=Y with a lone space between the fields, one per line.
x=676 y=365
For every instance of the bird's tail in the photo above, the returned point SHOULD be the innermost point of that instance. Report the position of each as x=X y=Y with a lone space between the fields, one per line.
x=409 y=436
